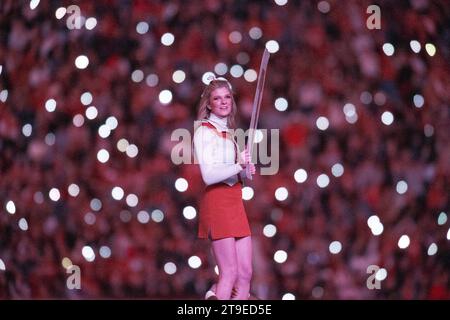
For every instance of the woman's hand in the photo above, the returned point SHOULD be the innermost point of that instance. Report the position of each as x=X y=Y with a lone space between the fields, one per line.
x=245 y=161
x=252 y=168
x=245 y=158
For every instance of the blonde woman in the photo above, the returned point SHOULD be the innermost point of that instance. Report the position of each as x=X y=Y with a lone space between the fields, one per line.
x=222 y=216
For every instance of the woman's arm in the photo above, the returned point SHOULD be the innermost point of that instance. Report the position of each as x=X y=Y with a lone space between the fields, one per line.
x=213 y=170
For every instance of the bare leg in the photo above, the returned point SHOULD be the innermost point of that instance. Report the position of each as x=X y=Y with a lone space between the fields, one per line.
x=225 y=254
x=244 y=262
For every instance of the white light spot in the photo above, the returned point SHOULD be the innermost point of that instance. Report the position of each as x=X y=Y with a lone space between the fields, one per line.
x=387 y=118
x=88 y=253
x=50 y=105
x=105 y=252
x=23 y=224
x=323 y=6
x=167 y=39
x=181 y=184
x=323 y=180
x=448 y=234
x=117 y=193
x=388 y=49
x=96 y=204
x=178 y=76
x=235 y=37
x=280 y=256
x=281 y=194
x=3 y=95
x=50 y=139
x=157 y=215
x=104 y=131
x=281 y=2
x=54 y=194
x=2 y=265
x=91 y=113
x=27 y=129
x=337 y=170
x=143 y=217
x=300 y=175
x=403 y=242
x=250 y=75
x=137 y=76
x=272 y=46
x=90 y=23
x=442 y=219
x=401 y=187
x=152 y=80
x=288 y=296
x=122 y=145
x=415 y=46
x=322 y=123
x=432 y=249
x=34 y=4
x=189 y=212
x=132 y=150
x=281 y=104
x=103 y=155
x=335 y=247
x=381 y=274
x=78 y=120
x=373 y=221
x=431 y=49
x=255 y=33
x=428 y=130
x=170 y=268
x=349 y=109
x=73 y=190
x=418 y=100
x=165 y=96
x=132 y=200
x=112 y=122
x=60 y=12
x=142 y=27
x=89 y=218
x=221 y=68
x=194 y=262
x=258 y=136
x=236 y=71
x=352 y=119
x=247 y=193
x=377 y=229
x=207 y=77
x=38 y=197
x=81 y=62
x=269 y=230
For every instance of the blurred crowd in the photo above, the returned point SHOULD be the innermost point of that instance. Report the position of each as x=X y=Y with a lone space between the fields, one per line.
x=327 y=59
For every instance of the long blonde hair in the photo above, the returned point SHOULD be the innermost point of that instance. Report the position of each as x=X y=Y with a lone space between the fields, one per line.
x=204 y=112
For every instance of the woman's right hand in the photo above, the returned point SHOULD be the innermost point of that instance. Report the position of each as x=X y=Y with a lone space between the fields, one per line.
x=245 y=158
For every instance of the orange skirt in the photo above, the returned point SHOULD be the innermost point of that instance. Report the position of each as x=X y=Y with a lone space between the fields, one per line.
x=222 y=213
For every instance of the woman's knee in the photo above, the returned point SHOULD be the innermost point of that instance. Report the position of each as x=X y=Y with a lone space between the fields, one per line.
x=229 y=273
x=245 y=273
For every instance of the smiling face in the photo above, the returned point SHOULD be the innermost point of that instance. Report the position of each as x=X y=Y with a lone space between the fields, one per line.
x=221 y=102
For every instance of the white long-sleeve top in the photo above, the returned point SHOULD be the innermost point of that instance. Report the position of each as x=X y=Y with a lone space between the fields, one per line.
x=216 y=155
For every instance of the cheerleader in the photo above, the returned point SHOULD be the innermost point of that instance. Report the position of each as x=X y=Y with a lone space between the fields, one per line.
x=222 y=216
